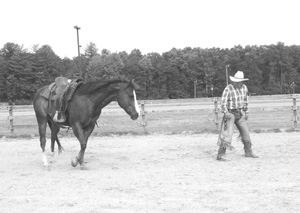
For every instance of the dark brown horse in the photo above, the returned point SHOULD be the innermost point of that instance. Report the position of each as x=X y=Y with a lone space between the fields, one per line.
x=83 y=111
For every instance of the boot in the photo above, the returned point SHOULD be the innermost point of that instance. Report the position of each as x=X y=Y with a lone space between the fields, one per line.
x=222 y=158
x=221 y=154
x=248 y=150
x=59 y=117
x=249 y=153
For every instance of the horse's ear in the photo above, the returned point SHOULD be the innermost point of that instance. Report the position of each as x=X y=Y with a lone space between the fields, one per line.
x=116 y=87
x=135 y=85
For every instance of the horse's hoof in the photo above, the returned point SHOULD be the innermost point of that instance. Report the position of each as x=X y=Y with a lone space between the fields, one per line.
x=60 y=150
x=74 y=162
x=47 y=167
x=83 y=167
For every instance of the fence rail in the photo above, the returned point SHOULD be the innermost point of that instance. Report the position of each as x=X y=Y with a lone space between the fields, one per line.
x=162 y=115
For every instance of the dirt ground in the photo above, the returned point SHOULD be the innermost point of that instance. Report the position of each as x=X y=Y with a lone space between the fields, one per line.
x=153 y=173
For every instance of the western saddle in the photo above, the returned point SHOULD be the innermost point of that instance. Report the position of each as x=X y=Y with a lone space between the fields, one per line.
x=61 y=91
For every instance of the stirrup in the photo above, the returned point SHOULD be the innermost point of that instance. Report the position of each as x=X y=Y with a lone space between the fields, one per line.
x=59 y=117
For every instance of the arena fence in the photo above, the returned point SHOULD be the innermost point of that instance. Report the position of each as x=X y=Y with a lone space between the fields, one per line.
x=175 y=115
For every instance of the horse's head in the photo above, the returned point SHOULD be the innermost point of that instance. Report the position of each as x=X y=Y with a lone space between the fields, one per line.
x=127 y=99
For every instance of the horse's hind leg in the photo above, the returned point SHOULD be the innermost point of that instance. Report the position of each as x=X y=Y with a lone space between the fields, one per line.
x=40 y=105
x=42 y=132
x=60 y=148
x=54 y=131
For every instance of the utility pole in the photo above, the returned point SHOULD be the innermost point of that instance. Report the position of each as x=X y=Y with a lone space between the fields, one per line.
x=77 y=29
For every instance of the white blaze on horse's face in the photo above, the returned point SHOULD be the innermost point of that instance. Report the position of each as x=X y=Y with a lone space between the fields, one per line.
x=137 y=108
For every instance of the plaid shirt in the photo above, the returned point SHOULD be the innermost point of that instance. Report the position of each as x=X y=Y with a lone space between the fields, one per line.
x=233 y=98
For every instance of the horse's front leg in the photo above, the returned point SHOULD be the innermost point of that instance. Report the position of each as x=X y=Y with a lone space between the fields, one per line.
x=82 y=136
x=80 y=158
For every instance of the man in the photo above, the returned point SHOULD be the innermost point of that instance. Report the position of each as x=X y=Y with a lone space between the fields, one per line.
x=234 y=101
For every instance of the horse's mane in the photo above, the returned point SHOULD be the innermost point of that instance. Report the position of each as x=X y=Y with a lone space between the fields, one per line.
x=97 y=85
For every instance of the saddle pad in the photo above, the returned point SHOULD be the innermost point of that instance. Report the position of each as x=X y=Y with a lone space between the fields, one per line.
x=72 y=89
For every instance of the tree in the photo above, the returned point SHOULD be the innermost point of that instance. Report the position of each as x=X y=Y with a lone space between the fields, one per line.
x=9 y=49
x=176 y=76
x=146 y=76
x=104 y=66
x=250 y=64
x=47 y=64
x=270 y=68
x=3 y=76
x=91 y=50
x=157 y=85
x=69 y=68
x=132 y=69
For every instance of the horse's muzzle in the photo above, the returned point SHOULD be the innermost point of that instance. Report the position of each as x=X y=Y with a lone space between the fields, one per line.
x=134 y=116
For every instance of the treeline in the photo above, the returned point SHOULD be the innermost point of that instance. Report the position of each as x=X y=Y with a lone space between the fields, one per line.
x=178 y=73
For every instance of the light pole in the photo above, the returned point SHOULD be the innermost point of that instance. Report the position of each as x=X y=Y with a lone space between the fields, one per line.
x=227 y=66
x=77 y=29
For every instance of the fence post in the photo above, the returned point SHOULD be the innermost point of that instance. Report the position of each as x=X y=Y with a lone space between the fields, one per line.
x=295 y=117
x=11 y=119
x=294 y=107
x=143 y=114
x=216 y=111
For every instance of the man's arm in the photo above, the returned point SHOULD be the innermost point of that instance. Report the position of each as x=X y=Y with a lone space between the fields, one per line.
x=246 y=102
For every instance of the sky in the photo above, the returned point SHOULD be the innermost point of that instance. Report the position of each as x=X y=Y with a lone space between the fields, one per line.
x=148 y=25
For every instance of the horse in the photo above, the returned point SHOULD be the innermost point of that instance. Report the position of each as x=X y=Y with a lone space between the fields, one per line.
x=83 y=111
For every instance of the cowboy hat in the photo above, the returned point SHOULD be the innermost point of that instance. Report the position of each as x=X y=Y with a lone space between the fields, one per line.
x=238 y=77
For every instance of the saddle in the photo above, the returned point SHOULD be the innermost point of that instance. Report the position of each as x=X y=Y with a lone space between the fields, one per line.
x=60 y=85
x=59 y=93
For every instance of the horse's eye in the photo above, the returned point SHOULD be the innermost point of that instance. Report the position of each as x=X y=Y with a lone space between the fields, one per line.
x=130 y=94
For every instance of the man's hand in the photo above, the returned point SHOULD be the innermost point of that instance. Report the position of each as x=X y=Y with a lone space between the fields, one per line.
x=246 y=116
x=227 y=115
